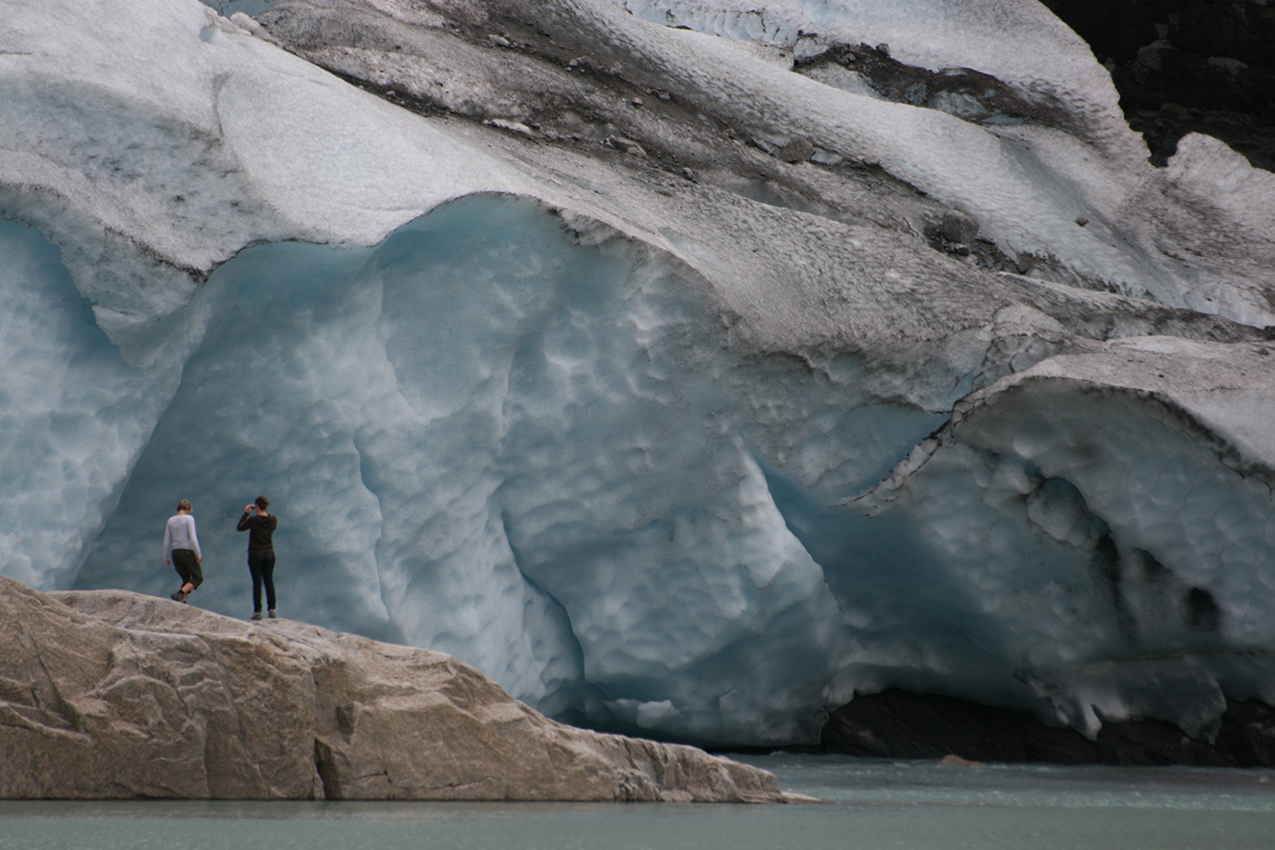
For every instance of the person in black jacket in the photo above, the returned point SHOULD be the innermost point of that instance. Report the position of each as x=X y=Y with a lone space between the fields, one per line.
x=260 y=530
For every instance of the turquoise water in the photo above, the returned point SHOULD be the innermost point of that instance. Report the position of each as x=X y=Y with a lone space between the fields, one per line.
x=870 y=804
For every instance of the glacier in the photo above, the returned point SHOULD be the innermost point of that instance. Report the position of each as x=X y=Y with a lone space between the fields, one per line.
x=618 y=349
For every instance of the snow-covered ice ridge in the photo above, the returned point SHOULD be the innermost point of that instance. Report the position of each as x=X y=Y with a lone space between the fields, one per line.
x=613 y=347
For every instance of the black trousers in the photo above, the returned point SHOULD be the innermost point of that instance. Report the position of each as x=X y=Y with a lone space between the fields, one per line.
x=261 y=564
x=187 y=567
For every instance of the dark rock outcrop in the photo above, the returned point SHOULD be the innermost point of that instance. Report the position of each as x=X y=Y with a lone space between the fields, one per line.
x=959 y=227
x=963 y=92
x=898 y=724
x=1181 y=66
x=115 y=695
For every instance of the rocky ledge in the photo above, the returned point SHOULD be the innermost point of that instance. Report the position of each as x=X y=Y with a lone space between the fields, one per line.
x=897 y=724
x=115 y=695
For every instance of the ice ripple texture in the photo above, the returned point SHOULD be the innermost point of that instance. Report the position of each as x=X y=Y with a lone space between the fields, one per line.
x=653 y=455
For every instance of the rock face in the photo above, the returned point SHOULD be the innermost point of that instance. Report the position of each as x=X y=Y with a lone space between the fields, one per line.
x=115 y=695
x=898 y=724
x=1182 y=66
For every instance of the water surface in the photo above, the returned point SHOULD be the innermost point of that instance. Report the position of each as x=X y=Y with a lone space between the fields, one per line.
x=869 y=804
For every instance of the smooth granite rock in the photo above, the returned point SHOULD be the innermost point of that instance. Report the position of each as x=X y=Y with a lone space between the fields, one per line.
x=114 y=695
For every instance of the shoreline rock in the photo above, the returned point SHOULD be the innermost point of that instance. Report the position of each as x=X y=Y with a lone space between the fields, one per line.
x=116 y=695
x=898 y=724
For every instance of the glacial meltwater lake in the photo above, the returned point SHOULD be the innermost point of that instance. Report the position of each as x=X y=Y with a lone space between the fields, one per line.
x=869 y=804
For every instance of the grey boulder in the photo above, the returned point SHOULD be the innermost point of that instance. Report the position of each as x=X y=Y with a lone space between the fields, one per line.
x=116 y=695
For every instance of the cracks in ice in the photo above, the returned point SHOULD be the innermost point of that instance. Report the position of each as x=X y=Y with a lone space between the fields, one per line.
x=1107 y=567
x=382 y=589
x=572 y=639
x=1126 y=573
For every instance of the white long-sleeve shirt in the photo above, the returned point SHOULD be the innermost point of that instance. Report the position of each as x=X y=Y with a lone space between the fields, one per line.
x=179 y=533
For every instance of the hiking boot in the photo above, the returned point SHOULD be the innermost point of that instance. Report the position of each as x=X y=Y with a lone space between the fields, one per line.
x=272 y=614
x=256 y=615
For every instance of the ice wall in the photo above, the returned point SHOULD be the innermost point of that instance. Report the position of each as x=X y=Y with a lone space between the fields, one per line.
x=73 y=415
x=482 y=436
x=653 y=453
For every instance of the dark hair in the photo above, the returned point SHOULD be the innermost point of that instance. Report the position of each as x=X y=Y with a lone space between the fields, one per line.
x=183 y=505
x=263 y=502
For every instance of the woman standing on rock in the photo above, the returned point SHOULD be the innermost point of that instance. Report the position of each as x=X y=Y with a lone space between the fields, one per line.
x=260 y=530
x=181 y=550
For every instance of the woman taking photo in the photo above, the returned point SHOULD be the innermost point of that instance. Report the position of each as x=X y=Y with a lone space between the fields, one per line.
x=260 y=530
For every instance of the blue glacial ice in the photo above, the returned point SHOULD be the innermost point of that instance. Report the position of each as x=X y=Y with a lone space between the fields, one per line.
x=700 y=456
x=472 y=433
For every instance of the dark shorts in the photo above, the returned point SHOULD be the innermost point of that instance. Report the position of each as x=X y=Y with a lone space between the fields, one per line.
x=187 y=567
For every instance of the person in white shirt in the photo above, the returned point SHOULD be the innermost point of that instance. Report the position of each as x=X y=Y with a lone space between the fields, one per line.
x=181 y=550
